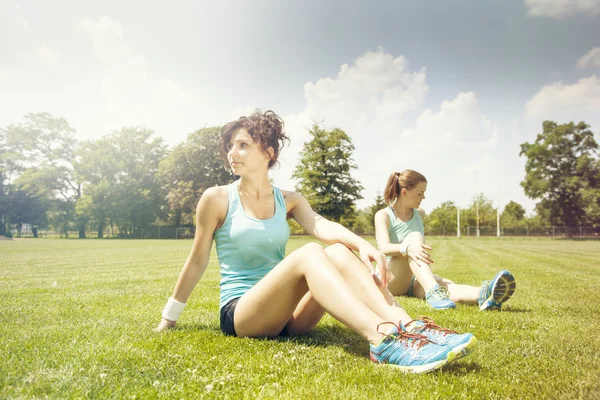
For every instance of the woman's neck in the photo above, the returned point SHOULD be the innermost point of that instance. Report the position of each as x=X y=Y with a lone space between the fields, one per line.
x=255 y=186
x=401 y=210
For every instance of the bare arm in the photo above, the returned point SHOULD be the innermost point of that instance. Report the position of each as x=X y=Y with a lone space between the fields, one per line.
x=416 y=252
x=331 y=232
x=209 y=212
x=382 y=226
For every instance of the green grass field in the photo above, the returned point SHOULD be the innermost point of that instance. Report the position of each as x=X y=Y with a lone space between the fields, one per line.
x=76 y=320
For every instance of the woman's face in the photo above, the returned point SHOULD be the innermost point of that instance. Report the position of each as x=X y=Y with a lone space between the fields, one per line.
x=415 y=196
x=244 y=154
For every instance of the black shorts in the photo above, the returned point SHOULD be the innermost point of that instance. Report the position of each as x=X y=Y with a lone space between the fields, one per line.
x=227 y=313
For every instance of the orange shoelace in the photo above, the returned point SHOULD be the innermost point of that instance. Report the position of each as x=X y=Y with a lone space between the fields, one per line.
x=429 y=324
x=418 y=340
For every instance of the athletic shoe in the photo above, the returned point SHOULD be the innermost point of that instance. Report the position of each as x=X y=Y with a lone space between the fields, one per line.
x=461 y=344
x=495 y=292
x=439 y=298
x=409 y=352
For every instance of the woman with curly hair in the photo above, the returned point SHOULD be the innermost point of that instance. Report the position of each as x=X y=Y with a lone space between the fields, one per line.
x=266 y=294
x=401 y=236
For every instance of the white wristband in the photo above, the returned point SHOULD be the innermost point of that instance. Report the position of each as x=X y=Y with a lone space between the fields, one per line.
x=173 y=309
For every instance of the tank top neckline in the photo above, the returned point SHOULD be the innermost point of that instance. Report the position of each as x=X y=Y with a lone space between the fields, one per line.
x=396 y=219
x=237 y=193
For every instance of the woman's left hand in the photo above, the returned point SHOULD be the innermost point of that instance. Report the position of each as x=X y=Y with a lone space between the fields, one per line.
x=368 y=254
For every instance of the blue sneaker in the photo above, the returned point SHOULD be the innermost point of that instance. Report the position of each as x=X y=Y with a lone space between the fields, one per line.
x=439 y=298
x=409 y=352
x=461 y=344
x=495 y=292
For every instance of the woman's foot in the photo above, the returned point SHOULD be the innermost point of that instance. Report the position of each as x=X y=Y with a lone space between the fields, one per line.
x=439 y=298
x=495 y=292
x=410 y=352
x=461 y=344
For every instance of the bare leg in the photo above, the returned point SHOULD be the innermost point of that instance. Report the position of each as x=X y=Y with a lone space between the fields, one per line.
x=266 y=308
x=402 y=276
x=378 y=298
x=465 y=294
x=375 y=296
x=420 y=270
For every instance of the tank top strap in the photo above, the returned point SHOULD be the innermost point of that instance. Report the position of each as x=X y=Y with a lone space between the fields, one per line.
x=279 y=201
x=234 y=198
x=391 y=215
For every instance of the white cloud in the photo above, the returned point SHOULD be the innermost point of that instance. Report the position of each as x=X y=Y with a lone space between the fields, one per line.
x=107 y=39
x=367 y=99
x=47 y=57
x=558 y=101
x=373 y=101
x=133 y=96
x=562 y=8
x=590 y=59
x=456 y=149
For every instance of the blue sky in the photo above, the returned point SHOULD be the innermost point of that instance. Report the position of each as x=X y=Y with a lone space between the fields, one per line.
x=450 y=88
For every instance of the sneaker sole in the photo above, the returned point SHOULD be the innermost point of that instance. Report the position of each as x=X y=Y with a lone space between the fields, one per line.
x=419 y=369
x=503 y=287
x=465 y=348
x=442 y=308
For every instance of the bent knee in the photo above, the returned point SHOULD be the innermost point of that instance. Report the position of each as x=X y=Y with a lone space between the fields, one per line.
x=310 y=251
x=338 y=251
x=312 y=248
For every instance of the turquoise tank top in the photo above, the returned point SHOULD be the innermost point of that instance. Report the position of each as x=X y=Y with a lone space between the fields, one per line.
x=398 y=230
x=249 y=248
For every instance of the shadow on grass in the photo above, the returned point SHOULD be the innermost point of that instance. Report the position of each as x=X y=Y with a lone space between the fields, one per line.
x=330 y=335
x=213 y=328
x=460 y=367
x=333 y=336
x=516 y=310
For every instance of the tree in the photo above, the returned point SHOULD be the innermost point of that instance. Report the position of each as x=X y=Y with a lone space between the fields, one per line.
x=189 y=169
x=47 y=144
x=513 y=215
x=324 y=174
x=487 y=214
x=442 y=219
x=559 y=169
x=590 y=190
x=378 y=205
x=9 y=169
x=123 y=188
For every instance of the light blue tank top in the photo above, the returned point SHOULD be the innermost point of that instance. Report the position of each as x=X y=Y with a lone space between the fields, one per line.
x=249 y=248
x=398 y=230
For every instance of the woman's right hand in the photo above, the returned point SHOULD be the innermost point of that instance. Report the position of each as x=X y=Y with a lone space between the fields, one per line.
x=164 y=325
x=419 y=253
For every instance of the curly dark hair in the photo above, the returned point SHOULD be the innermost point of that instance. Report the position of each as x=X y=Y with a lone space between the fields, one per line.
x=265 y=128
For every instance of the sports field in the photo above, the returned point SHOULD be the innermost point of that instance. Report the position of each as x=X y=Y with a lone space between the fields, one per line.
x=76 y=320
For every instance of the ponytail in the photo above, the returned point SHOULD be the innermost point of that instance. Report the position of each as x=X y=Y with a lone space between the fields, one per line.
x=397 y=181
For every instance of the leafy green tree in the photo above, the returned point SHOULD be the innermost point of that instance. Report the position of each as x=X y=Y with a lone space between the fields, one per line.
x=324 y=174
x=121 y=171
x=590 y=190
x=560 y=170
x=378 y=205
x=47 y=145
x=442 y=220
x=9 y=169
x=189 y=169
x=363 y=224
x=487 y=215
x=513 y=216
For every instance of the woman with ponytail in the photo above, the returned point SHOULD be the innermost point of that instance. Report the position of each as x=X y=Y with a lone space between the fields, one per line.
x=400 y=235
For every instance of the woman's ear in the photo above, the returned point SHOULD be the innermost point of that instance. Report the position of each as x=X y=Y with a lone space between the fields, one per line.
x=270 y=153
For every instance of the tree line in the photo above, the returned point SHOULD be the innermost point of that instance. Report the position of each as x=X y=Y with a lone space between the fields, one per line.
x=129 y=180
